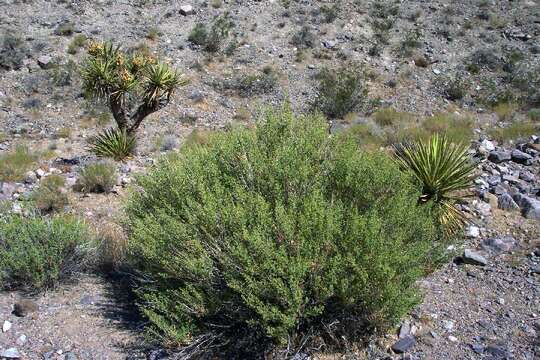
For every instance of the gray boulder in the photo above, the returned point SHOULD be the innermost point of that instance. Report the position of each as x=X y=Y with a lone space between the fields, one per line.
x=530 y=207
x=499 y=156
x=521 y=158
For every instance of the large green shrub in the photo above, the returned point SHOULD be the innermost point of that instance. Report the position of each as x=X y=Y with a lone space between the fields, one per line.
x=271 y=229
x=37 y=252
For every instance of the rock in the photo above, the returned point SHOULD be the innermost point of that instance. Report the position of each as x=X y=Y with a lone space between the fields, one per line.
x=488 y=145
x=11 y=353
x=8 y=189
x=404 y=344
x=506 y=202
x=479 y=349
x=405 y=329
x=452 y=338
x=6 y=326
x=473 y=258
x=530 y=208
x=21 y=340
x=40 y=173
x=498 y=245
x=448 y=325
x=526 y=176
x=521 y=158
x=24 y=307
x=497 y=352
x=45 y=62
x=186 y=10
x=329 y=44
x=30 y=177
x=436 y=71
x=472 y=232
x=70 y=356
x=499 y=156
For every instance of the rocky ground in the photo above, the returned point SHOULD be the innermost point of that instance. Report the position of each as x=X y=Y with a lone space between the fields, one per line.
x=484 y=305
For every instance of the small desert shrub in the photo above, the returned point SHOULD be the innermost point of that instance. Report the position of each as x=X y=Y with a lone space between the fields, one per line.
x=198 y=137
x=253 y=84
x=454 y=88
x=517 y=130
x=111 y=246
x=15 y=164
x=304 y=38
x=63 y=133
x=78 y=42
x=366 y=136
x=330 y=12
x=212 y=39
x=51 y=196
x=340 y=91
x=65 y=28
x=533 y=114
x=12 y=51
x=410 y=41
x=391 y=117
x=267 y=231
x=152 y=34
x=96 y=178
x=457 y=129
x=486 y=58
x=167 y=143
x=421 y=61
x=35 y=252
x=505 y=111
x=444 y=169
x=114 y=143
x=526 y=79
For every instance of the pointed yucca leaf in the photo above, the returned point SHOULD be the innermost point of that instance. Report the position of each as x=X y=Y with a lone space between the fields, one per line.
x=443 y=168
x=114 y=143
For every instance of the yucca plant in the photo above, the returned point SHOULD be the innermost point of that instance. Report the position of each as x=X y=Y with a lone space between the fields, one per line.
x=113 y=143
x=445 y=171
x=133 y=85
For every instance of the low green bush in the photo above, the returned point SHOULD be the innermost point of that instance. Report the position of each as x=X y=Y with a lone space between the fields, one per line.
x=15 y=164
x=273 y=230
x=50 y=196
x=340 y=91
x=96 y=178
x=35 y=253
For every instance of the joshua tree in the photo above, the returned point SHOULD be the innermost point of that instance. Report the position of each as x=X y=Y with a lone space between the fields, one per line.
x=134 y=85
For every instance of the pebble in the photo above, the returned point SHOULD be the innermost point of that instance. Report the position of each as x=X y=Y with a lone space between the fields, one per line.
x=6 y=326
x=404 y=344
x=473 y=258
x=452 y=338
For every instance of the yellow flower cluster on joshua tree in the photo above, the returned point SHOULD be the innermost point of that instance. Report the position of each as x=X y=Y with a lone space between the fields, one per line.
x=133 y=85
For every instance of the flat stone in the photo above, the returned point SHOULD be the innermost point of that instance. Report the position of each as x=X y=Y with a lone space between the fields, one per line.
x=45 y=62
x=11 y=353
x=404 y=344
x=500 y=244
x=186 y=10
x=506 y=202
x=521 y=158
x=473 y=258
x=499 y=156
